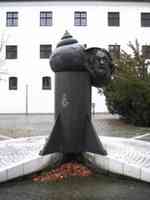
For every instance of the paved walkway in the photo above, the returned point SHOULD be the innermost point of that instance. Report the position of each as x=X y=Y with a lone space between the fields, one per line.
x=38 y=125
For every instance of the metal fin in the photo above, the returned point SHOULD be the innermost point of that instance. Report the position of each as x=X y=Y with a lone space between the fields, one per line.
x=92 y=141
x=55 y=140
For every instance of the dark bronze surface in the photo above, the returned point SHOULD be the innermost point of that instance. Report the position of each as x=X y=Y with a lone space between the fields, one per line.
x=76 y=70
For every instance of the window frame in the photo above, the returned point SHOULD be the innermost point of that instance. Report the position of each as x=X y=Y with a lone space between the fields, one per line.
x=44 y=53
x=46 y=20
x=146 y=51
x=12 y=18
x=80 y=18
x=11 y=52
x=113 y=19
x=46 y=86
x=12 y=80
x=115 y=53
x=147 y=18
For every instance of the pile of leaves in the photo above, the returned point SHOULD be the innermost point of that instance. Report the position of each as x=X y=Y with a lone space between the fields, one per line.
x=64 y=171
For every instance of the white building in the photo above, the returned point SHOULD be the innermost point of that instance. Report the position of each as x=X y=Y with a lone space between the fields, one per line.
x=30 y=26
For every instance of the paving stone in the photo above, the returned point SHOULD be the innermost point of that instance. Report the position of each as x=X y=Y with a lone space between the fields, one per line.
x=32 y=166
x=102 y=161
x=14 y=172
x=132 y=171
x=145 y=174
x=3 y=175
x=115 y=166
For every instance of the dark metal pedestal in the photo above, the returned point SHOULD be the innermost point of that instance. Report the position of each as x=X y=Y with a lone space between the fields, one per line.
x=73 y=132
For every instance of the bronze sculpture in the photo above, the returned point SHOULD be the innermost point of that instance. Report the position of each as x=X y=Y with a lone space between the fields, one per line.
x=76 y=70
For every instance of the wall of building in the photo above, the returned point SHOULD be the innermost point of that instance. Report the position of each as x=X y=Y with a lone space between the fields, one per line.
x=30 y=69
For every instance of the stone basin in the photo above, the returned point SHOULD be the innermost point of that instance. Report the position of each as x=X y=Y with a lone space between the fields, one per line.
x=129 y=157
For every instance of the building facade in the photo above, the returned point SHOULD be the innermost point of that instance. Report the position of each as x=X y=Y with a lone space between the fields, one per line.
x=30 y=30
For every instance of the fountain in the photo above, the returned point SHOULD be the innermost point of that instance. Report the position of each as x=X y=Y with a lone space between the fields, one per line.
x=76 y=70
x=73 y=136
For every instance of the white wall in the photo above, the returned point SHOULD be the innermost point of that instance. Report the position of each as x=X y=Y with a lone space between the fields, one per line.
x=29 y=35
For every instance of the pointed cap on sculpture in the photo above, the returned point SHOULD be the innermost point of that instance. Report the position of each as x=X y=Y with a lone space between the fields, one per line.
x=66 y=39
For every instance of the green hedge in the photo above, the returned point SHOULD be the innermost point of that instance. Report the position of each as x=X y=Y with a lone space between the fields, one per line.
x=130 y=99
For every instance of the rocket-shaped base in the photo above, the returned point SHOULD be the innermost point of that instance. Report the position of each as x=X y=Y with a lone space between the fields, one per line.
x=56 y=141
x=73 y=132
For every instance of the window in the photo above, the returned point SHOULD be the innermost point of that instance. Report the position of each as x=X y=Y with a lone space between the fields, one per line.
x=13 y=83
x=11 y=52
x=80 y=18
x=46 y=18
x=114 y=51
x=146 y=51
x=145 y=19
x=46 y=83
x=45 y=50
x=113 y=19
x=12 y=19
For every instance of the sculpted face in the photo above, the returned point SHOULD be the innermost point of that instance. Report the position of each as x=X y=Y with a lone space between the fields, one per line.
x=71 y=56
x=99 y=63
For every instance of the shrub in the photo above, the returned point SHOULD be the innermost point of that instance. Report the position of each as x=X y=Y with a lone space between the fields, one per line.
x=128 y=93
